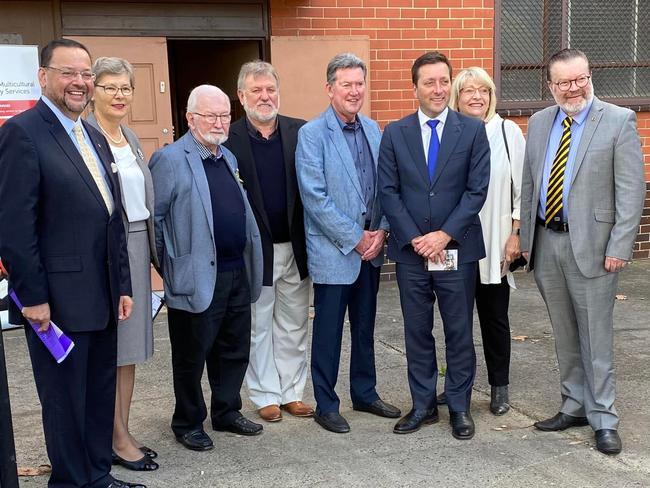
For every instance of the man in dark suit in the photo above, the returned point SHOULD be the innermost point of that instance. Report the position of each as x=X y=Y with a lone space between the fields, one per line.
x=64 y=248
x=265 y=145
x=434 y=170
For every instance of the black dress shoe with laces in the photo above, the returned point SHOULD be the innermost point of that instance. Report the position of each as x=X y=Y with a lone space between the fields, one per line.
x=608 y=441
x=332 y=421
x=197 y=440
x=125 y=484
x=415 y=419
x=462 y=425
x=242 y=426
x=499 y=401
x=561 y=421
x=378 y=407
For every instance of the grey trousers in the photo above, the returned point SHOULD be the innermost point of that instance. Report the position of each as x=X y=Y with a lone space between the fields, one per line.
x=581 y=311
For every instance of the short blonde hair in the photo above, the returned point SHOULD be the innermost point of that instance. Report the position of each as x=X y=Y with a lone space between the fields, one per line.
x=480 y=76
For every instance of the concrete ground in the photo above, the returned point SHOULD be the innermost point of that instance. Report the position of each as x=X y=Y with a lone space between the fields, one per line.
x=506 y=451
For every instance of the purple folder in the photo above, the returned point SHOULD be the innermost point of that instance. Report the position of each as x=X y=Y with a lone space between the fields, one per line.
x=54 y=339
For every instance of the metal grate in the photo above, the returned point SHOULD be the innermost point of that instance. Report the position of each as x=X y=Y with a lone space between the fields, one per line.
x=614 y=34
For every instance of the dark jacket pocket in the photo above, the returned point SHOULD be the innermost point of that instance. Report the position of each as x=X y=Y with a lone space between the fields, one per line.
x=63 y=264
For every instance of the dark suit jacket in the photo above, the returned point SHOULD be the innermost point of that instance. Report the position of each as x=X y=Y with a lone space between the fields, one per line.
x=58 y=242
x=451 y=202
x=239 y=143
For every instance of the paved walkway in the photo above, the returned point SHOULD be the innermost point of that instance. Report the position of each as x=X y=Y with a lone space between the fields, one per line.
x=506 y=451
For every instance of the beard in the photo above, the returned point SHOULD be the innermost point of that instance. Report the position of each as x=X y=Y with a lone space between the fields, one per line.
x=216 y=139
x=572 y=108
x=261 y=117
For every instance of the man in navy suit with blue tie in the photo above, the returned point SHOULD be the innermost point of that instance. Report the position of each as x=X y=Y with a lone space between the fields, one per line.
x=433 y=174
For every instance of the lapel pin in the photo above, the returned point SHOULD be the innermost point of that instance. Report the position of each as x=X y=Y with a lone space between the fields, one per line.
x=114 y=167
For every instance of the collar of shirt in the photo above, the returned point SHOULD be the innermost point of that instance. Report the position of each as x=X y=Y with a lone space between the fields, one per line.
x=354 y=124
x=204 y=150
x=67 y=123
x=253 y=132
x=442 y=118
x=578 y=118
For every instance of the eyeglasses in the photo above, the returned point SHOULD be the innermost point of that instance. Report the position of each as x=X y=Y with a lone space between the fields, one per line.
x=469 y=92
x=565 y=85
x=69 y=74
x=111 y=91
x=212 y=118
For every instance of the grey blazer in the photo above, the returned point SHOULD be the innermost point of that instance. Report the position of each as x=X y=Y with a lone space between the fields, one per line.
x=184 y=227
x=133 y=141
x=607 y=185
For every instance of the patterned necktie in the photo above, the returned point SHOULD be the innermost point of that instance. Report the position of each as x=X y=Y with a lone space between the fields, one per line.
x=434 y=145
x=91 y=164
x=556 y=178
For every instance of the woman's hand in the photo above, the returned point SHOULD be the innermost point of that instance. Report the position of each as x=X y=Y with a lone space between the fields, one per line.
x=512 y=250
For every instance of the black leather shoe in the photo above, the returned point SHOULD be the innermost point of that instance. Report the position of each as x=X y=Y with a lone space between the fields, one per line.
x=333 y=421
x=149 y=452
x=380 y=408
x=415 y=419
x=560 y=421
x=608 y=441
x=197 y=440
x=462 y=425
x=125 y=484
x=499 y=401
x=145 y=463
x=442 y=399
x=242 y=426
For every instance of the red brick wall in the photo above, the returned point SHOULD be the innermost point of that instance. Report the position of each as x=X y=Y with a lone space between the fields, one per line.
x=401 y=30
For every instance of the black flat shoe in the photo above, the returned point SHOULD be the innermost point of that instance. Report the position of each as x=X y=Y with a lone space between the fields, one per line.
x=333 y=421
x=145 y=463
x=197 y=440
x=462 y=425
x=499 y=401
x=442 y=399
x=149 y=452
x=242 y=426
x=608 y=441
x=561 y=421
x=415 y=419
x=378 y=407
x=125 y=484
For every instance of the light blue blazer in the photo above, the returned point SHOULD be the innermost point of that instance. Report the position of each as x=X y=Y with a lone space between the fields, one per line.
x=335 y=211
x=184 y=227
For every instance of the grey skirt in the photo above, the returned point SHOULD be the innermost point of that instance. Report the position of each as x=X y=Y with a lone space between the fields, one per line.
x=135 y=335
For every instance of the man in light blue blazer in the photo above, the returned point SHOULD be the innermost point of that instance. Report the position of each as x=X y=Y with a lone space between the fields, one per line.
x=336 y=165
x=211 y=261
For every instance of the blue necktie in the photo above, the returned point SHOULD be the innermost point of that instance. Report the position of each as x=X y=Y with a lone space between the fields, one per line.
x=434 y=145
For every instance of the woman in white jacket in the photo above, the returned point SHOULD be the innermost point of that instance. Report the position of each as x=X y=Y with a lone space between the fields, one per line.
x=473 y=93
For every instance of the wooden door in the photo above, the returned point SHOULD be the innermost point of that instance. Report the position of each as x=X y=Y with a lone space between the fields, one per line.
x=151 y=113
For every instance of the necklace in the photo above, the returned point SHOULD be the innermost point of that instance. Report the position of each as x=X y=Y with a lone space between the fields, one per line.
x=119 y=141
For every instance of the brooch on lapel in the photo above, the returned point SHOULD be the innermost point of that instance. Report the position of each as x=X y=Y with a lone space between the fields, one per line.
x=241 y=182
x=140 y=155
x=114 y=167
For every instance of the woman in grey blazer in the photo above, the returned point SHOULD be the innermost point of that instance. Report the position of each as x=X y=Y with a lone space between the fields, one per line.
x=114 y=86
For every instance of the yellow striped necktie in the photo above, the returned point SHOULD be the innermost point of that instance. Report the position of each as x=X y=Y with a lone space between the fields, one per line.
x=92 y=165
x=556 y=178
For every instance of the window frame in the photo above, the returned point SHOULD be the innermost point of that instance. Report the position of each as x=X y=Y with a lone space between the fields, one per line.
x=531 y=106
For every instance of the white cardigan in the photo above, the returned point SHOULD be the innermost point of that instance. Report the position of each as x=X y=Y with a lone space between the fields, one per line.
x=503 y=198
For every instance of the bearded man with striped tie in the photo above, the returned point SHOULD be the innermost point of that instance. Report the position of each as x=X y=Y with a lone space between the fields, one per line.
x=582 y=197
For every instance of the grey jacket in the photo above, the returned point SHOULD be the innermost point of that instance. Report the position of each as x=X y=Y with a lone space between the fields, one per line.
x=184 y=227
x=133 y=141
x=607 y=185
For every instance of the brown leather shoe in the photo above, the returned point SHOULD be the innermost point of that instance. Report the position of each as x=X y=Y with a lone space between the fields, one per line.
x=270 y=413
x=298 y=409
